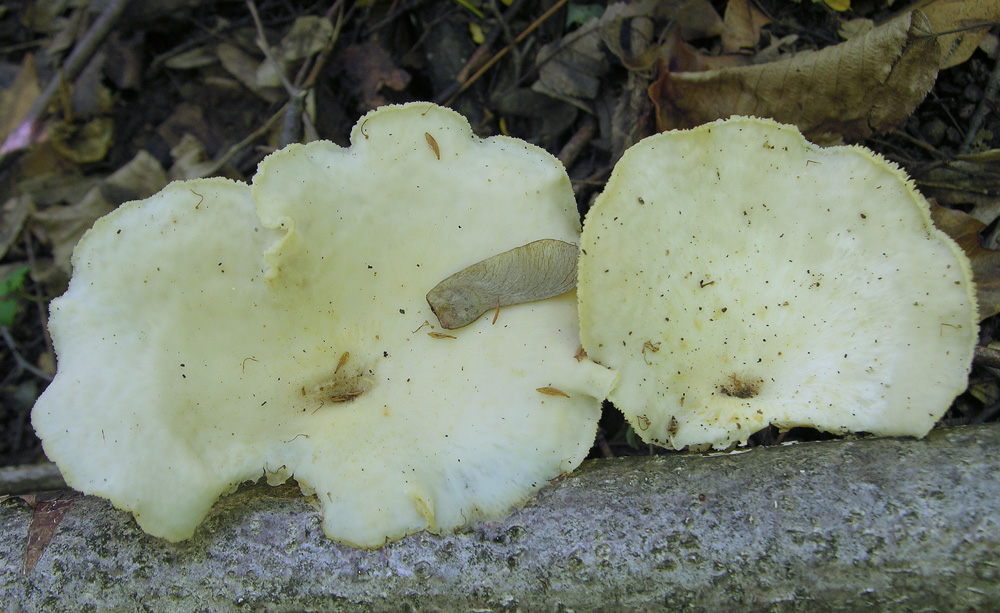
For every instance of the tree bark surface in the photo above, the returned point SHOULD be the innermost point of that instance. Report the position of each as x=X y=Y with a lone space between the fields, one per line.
x=847 y=525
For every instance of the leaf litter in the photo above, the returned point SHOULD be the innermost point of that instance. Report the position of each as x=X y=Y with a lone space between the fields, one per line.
x=584 y=81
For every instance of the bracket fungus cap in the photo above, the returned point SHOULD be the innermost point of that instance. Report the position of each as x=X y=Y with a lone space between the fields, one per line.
x=217 y=332
x=738 y=276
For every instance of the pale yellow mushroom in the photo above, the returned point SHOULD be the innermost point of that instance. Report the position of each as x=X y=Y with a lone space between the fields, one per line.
x=738 y=276
x=216 y=332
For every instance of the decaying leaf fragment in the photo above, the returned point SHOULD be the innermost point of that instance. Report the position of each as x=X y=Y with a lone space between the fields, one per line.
x=959 y=19
x=965 y=230
x=45 y=520
x=866 y=85
x=972 y=178
x=536 y=271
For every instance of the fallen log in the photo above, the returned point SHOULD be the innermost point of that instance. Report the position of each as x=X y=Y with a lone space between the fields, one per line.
x=873 y=524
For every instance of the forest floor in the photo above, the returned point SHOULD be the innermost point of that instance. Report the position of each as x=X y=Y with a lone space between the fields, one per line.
x=181 y=89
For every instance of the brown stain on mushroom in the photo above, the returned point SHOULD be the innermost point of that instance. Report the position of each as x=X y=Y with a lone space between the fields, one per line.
x=741 y=387
x=551 y=391
x=349 y=380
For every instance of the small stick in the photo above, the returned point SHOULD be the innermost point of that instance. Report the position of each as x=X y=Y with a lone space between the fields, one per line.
x=496 y=58
x=976 y=122
x=24 y=134
x=246 y=141
x=570 y=151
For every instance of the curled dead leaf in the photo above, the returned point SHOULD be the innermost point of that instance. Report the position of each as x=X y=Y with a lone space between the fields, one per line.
x=866 y=85
x=368 y=67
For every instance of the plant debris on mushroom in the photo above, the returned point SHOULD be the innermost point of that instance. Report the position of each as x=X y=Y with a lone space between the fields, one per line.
x=536 y=271
x=215 y=332
x=738 y=276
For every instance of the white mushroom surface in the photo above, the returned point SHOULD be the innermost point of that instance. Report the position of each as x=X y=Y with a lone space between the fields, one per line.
x=738 y=276
x=217 y=332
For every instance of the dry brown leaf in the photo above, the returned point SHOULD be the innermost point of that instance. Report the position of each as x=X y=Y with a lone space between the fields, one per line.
x=855 y=27
x=16 y=100
x=48 y=514
x=83 y=143
x=125 y=59
x=571 y=69
x=985 y=262
x=89 y=96
x=187 y=118
x=741 y=26
x=697 y=19
x=192 y=58
x=951 y=15
x=677 y=56
x=368 y=68
x=244 y=67
x=64 y=225
x=191 y=161
x=308 y=35
x=627 y=31
x=13 y=214
x=851 y=90
x=968 y=179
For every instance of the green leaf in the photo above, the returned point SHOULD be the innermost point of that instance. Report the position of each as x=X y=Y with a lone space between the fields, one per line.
x=12 y=283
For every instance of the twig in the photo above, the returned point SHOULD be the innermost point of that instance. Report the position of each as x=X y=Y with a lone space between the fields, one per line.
x=323 y=55
x=266 y=48
x=478 y=56
x=976 y=122
x=22 y=364
x=500 y=54
x=509 y=36
x=596 y=178
x=982 y=191
x=570 y=151
x=39 y=302
x=916 y=142
x=27 y=130
x=246 y=141
x=295 y=117
x=308 y=68
x=291 y=128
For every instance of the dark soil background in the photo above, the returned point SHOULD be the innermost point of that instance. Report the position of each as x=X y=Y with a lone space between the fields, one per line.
x=181 y=67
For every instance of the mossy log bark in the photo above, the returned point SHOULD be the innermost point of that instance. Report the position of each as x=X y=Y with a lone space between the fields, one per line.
x=867 y=524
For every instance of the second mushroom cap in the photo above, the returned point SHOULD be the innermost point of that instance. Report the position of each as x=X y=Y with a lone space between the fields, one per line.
x=739 y=276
